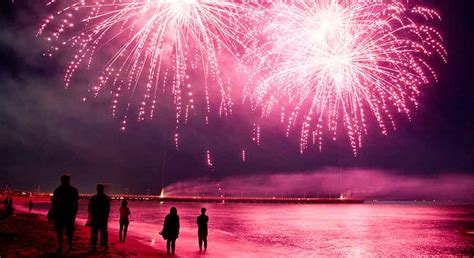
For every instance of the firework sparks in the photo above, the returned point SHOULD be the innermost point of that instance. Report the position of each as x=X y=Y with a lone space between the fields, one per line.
x=209 y=159
x=325 y=65
x=243 y=155
x=256 y=134
x=145 y=47
x=334 y=64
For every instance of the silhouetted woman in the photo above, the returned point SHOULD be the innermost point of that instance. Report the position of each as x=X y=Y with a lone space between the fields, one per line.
x=171 y=229
x=124 y=221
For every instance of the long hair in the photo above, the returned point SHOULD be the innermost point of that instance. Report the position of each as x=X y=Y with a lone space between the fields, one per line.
x=173 y=211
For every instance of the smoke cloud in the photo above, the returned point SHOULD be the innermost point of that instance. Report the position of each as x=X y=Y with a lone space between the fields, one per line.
x=361 y=183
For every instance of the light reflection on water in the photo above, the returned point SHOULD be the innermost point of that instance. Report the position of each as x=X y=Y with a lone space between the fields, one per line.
x=310 y=230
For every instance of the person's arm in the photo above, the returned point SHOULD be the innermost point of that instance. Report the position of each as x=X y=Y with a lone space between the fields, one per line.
x=76 y=202
x=178 y=224
x=54 y=200
x=107 y=210
x=90 y=207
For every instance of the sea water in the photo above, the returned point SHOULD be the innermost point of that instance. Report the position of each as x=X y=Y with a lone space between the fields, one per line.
x=302 y=230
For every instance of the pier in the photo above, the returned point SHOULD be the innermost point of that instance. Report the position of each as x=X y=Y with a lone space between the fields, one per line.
x=231 y=199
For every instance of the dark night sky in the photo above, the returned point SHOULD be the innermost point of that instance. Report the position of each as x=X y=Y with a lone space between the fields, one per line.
x=46 y=130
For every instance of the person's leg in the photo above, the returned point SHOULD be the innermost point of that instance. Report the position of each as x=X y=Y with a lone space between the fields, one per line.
x=104 y=237
x=125 y=231
x=94 y=234
x=204 y=238
x=168 y=242
x=59 y=227
x=70 y=232
x=200 y=241
x=120 y=231
x=173 y=245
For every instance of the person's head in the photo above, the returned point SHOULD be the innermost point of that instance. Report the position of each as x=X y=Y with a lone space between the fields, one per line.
x=124 y=203
x=66 y=179
x=100 y=188
x=203 y=210
x=173 y=211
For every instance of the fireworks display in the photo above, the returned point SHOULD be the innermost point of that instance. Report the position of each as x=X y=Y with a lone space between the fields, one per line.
x=324 y=65
x=329 y=64
x=145 y=47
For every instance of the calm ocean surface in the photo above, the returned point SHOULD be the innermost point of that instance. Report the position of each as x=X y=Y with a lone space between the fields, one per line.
x=268 y=230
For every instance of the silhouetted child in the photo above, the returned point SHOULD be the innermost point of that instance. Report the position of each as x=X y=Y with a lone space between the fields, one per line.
x=99 y=208
x=64 y=210
x=31 y=205
x=124 y=221
x=202 y=229
x=171 y=229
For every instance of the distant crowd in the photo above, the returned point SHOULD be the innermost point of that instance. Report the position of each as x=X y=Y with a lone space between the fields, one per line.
x=65 y=206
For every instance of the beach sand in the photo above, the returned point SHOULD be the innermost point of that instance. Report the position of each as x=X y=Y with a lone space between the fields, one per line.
x=32 y=235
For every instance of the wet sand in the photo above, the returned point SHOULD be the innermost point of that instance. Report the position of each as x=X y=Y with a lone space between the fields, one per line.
x=32 y=235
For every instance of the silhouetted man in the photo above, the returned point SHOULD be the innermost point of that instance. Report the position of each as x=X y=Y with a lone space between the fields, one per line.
x=64 y=209
x=30 y=205
x=202 y=229
x=99 y=208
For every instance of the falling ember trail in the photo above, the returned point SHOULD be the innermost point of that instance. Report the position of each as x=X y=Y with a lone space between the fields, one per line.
x=256 y=134
x=209 y=159
x=243 y=156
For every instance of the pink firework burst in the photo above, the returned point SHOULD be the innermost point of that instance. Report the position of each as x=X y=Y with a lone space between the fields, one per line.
x=330 y=64
x=144 y=47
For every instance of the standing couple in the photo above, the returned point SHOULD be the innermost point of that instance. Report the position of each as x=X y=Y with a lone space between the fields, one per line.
x=64 y=210
x=170 y=230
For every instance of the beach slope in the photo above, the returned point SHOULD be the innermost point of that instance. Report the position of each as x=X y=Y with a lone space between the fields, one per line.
x=32 y=235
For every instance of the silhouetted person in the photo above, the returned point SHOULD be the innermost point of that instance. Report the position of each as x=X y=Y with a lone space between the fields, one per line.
x=202 y=229
x=64 y=210
x=30 y=205
x=5 y=203
x=99 y=208
x=124 y=221
x=171 y=229
x=9 y=209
